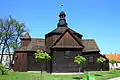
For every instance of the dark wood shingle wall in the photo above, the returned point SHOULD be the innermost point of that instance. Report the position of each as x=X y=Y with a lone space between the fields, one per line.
x=63 y=61
x=20 y=62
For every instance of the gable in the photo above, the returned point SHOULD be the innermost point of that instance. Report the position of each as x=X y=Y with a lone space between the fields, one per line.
x=67 y=40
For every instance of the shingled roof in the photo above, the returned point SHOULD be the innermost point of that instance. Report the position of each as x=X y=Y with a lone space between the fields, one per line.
x=89 y=45
x=61 y=30
x=35 y=44
x=78 y=45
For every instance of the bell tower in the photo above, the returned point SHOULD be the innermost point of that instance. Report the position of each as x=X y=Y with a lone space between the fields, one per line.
x=62 y=21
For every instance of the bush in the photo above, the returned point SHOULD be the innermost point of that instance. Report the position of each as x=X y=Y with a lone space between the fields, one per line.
x=3 y=70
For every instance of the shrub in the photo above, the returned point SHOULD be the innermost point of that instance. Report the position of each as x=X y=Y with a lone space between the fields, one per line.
x=3 y=70
x=79 y=60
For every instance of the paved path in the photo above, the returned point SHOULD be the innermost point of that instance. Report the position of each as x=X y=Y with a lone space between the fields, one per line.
x=118 y=78
x=65 y=73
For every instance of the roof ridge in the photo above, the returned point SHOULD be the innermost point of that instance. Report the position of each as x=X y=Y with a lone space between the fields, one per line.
x=112 y=54
x=88 y=39
x=37 y=38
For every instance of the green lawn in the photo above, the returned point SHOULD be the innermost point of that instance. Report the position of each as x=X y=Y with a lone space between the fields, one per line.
x=36 y=76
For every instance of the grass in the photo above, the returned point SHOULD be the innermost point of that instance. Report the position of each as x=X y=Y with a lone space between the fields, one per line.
x=36 y=76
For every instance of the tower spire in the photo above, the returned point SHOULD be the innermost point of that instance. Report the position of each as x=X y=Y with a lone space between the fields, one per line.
x=62 y=21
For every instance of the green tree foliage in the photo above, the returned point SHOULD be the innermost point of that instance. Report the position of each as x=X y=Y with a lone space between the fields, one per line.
x=113 y=62
x=10 y=32
x=41 y=56
x=102 y=61
x=80 y=60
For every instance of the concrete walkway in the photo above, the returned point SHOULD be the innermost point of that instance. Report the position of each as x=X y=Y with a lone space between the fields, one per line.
x=118 y=78
x=56 y=73
x=65 y=73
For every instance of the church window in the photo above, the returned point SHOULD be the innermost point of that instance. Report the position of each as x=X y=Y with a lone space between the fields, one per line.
x=54 y=60
x=91 y=59
x=67 y=54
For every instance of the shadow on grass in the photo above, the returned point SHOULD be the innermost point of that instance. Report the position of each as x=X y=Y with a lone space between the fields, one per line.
x=98 y=74
x=77 y=78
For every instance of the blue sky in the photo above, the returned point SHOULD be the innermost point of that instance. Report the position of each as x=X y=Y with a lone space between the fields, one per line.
x=95 y=19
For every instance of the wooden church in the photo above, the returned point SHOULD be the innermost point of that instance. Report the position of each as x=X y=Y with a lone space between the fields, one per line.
x=62 y=44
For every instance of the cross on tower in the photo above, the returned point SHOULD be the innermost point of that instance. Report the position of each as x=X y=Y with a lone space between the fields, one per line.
x=62 y=7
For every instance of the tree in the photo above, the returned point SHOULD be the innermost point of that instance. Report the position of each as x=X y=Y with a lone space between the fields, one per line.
x=2 y=45
x=10 y=32
x=113 y=62
x=102 y=61
x=41 y=56
x=80 y=61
